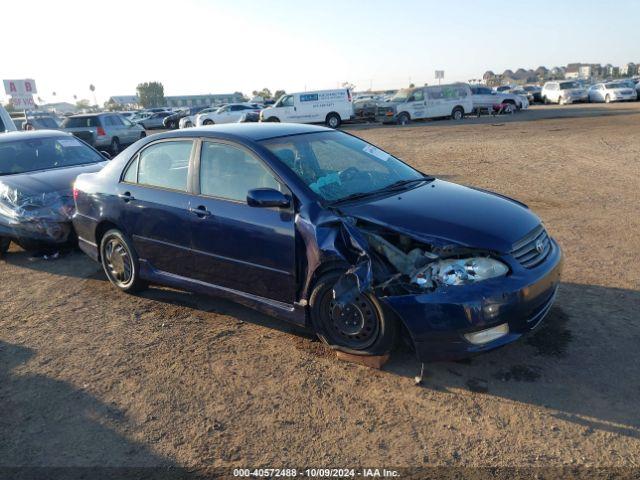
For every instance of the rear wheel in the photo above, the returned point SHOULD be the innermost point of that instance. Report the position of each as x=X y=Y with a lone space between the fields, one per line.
x=273 y=119
x=457 y=113
x=607 y=99
x=4 y=246
x=333 y=120
x=359 y=327
x=510 y=108
x=403 y=119
x=208 y=122
x=120 y=262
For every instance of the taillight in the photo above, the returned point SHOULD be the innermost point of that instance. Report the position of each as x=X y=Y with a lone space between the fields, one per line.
x=101 y=132
x=75 y=193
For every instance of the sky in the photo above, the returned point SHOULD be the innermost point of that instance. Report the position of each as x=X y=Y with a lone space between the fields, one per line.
x=211 y=46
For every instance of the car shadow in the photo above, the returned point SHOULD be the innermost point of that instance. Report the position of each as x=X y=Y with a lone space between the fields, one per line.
x=51 y=423
x=581 y=364
x=68 y=262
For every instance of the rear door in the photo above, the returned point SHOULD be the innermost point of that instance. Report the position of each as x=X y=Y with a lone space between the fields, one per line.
x=155 y=205
x=243 y=248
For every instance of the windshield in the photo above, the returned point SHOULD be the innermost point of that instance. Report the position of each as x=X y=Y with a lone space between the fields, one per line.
x=568 y=85
x=336 y=165
x=401 y=96
x=616 y=85
x=28 y=155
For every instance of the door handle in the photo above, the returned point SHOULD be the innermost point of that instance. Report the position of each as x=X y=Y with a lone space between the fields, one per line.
x=200 y=211
x=126 y=196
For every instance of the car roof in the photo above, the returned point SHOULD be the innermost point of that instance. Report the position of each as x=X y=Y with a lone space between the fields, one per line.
x=248 y=131
x=33 y=134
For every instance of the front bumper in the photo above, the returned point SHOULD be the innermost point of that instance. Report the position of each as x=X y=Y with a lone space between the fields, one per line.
x=437 y=321
x=28 y=233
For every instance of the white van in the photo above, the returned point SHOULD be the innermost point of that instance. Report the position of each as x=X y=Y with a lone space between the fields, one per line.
x=6 y=123
x=325 y=106
x=436 y=101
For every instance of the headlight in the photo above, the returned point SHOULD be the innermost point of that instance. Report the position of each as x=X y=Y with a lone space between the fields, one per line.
x=463 y=271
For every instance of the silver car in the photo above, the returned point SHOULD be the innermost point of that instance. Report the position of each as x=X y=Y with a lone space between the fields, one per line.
x=154 y=120
x=612 y=92
x=104 y=130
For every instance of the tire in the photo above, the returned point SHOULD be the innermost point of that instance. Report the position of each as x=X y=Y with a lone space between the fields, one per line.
x=457 y=114
x=188 y=125
x=511 y=108
x=273 y=120
x=607 y=99
x=4 y=246
x=403 y=119
x=208 y=121
x=120 y=262
x=561 y=101
x=361 y=327
x=333 y=120
x=545 y=100
x=115 y=146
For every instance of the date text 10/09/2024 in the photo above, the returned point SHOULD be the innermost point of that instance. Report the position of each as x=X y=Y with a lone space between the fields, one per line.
x=315 y=473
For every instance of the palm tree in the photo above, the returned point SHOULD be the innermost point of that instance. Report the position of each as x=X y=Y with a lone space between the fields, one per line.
x=92 y=87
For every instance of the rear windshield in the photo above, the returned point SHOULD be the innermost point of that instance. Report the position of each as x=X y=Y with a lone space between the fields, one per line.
x=28 y=155
x=80 y=122
x=616 y=85
x=45 y=122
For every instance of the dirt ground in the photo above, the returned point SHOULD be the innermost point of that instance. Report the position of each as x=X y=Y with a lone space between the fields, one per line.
x=90 y=376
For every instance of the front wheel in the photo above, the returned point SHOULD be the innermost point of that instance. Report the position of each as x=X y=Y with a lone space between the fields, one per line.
x=607 y=99
x=403 y=119
x=120 y=262
x=208 y=122
x=359 y=327
x=4 y=245
x=333 y=120
x=457 y=114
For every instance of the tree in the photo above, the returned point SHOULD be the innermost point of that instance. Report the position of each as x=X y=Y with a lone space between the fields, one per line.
x=349 y=85
x=278 y=94
x=82 y=104
x=92 y=87
x=411 y=85
x=265 y=93
x=151 y=94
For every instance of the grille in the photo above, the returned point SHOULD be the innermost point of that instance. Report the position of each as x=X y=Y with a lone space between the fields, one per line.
x=533 y=248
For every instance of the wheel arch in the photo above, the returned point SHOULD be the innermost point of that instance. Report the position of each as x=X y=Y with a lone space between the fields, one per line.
x=103 y=227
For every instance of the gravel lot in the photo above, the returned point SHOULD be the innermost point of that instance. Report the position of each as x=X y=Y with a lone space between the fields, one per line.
x=90 y=376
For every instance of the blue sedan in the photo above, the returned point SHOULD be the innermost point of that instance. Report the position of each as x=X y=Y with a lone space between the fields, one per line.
x=322 y=229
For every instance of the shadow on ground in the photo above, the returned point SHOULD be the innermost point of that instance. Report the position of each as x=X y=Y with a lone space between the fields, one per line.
x=54 y=424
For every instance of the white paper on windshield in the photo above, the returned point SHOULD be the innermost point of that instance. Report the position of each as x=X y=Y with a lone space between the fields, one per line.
x=376 y=152
x=69 y=142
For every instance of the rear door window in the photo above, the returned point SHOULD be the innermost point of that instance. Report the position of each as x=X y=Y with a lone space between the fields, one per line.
x=162 y=165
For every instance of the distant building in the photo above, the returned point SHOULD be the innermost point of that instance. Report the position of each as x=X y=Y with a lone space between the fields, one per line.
x=203 y=100
x=629 y=69
x=132 y=101
x=60 y=107
x=125 y=101
x=572 y=71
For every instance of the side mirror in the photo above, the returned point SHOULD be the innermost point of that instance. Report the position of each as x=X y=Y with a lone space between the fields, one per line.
x=267 y=197
x=106 y=154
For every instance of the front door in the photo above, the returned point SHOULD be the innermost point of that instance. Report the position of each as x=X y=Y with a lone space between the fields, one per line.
x=417 y=105
x=155 y=211
x=247 y=249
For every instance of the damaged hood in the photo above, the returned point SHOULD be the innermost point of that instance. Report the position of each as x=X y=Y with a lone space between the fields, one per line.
x=450 y=214
x=45 y=181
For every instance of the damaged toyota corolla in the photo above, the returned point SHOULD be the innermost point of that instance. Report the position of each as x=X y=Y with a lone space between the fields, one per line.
x=320 y=228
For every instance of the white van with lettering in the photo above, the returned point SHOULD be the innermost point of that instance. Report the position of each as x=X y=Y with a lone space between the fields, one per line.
x=331 y=107
x=437 y=101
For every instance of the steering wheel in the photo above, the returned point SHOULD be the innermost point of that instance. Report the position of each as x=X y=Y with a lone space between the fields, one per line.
x=348 y=174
